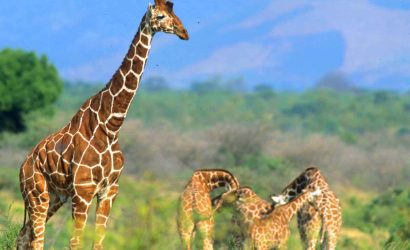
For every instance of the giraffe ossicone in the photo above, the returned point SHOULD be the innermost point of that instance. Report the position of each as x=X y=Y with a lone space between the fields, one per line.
x=83 y=160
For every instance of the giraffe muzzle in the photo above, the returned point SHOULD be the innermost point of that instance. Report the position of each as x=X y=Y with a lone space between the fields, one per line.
x=182 y=34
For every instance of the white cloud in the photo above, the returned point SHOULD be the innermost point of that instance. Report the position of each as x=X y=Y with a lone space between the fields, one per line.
x=233 y=59
x=271 y=12
x=100 y=69
x=377 y=39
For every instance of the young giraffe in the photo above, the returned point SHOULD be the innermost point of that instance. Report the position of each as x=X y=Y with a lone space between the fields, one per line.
x=195 y=209
x=324 y=217
x=269 y=227
x=83 y=159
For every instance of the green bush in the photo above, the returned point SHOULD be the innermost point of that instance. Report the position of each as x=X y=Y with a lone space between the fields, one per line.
x=27 y=83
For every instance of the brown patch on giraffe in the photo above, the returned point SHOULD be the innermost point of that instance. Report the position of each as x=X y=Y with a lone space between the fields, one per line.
x=105 y=110
x=122 y=99
x=113 y=177
x=80 y=146
x=130 y=81
x=93 y=121
x=75 y=122
x=118 y=161
x=83 y=175
x=137 y=66
x=95 y=102
x=97 y=174
x=100 y=144
x=144 y=40
x=91 y=157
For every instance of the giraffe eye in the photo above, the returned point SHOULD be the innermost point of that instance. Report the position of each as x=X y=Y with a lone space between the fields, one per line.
x=160 y=17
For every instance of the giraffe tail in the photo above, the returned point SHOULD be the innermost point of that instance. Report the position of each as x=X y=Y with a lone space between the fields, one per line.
x=25 y=217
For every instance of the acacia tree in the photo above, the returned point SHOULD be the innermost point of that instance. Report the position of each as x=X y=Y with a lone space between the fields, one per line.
x=27 y=83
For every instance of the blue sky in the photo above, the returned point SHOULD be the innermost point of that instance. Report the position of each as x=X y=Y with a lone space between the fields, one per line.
x=285 y=43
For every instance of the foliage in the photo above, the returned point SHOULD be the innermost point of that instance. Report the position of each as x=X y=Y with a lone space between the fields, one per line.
x=345 y=114
x=8 y=230
x=359 y=139
x=27 y=83
x=390 y=210
x=155 y=84
x=143 y=216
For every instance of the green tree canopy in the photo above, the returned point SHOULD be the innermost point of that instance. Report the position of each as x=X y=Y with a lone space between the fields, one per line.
x=27 y=83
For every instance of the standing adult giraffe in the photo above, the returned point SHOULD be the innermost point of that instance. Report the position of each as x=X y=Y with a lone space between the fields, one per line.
x=83 y=159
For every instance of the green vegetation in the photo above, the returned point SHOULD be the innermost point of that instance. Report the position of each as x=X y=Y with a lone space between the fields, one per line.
x=345 y=114
x=27 y=83
x=145 y=212
x=359 y=139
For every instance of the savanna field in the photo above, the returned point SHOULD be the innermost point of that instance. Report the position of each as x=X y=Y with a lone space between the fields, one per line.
x=359 y=139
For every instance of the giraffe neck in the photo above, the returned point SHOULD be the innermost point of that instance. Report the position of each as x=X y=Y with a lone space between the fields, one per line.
x=222 y=179
x=218 y=178
x=296 y=187
x=253 y=204
x=115 y=99
x=290 y=209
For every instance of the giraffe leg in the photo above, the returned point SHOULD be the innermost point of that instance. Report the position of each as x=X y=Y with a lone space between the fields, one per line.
x=55 y=204
x=329 y=242
x=23 y=239
x=37 y=202
x=104 y=205
x=81 y=202
x=185 y=229
x=205 y=228
x=239 y=233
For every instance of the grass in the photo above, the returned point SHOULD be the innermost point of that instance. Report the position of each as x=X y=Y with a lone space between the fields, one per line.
x=143 y=217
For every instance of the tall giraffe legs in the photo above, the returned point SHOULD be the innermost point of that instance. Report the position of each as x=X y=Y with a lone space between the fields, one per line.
x=104 y=205
x=55 y=204
x=186 y=227
x=81 y=202
x=36 y=196
x=205 y=228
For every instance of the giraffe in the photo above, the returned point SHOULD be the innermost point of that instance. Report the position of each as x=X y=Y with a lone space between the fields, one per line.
x=267 y=225
x=83 y=160
x=323 y=218
x=195 y=211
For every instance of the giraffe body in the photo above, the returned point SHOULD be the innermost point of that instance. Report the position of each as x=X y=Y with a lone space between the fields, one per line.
x=195 y=211
x=321 y=222
x=83 y=160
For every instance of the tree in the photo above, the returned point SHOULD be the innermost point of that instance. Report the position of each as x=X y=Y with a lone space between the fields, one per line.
x=336 y=81
x=155 y=84
x=27 y=83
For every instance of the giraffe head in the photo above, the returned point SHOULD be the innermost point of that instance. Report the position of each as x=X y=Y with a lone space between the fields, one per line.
x=239 y=195
x=161 y=17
